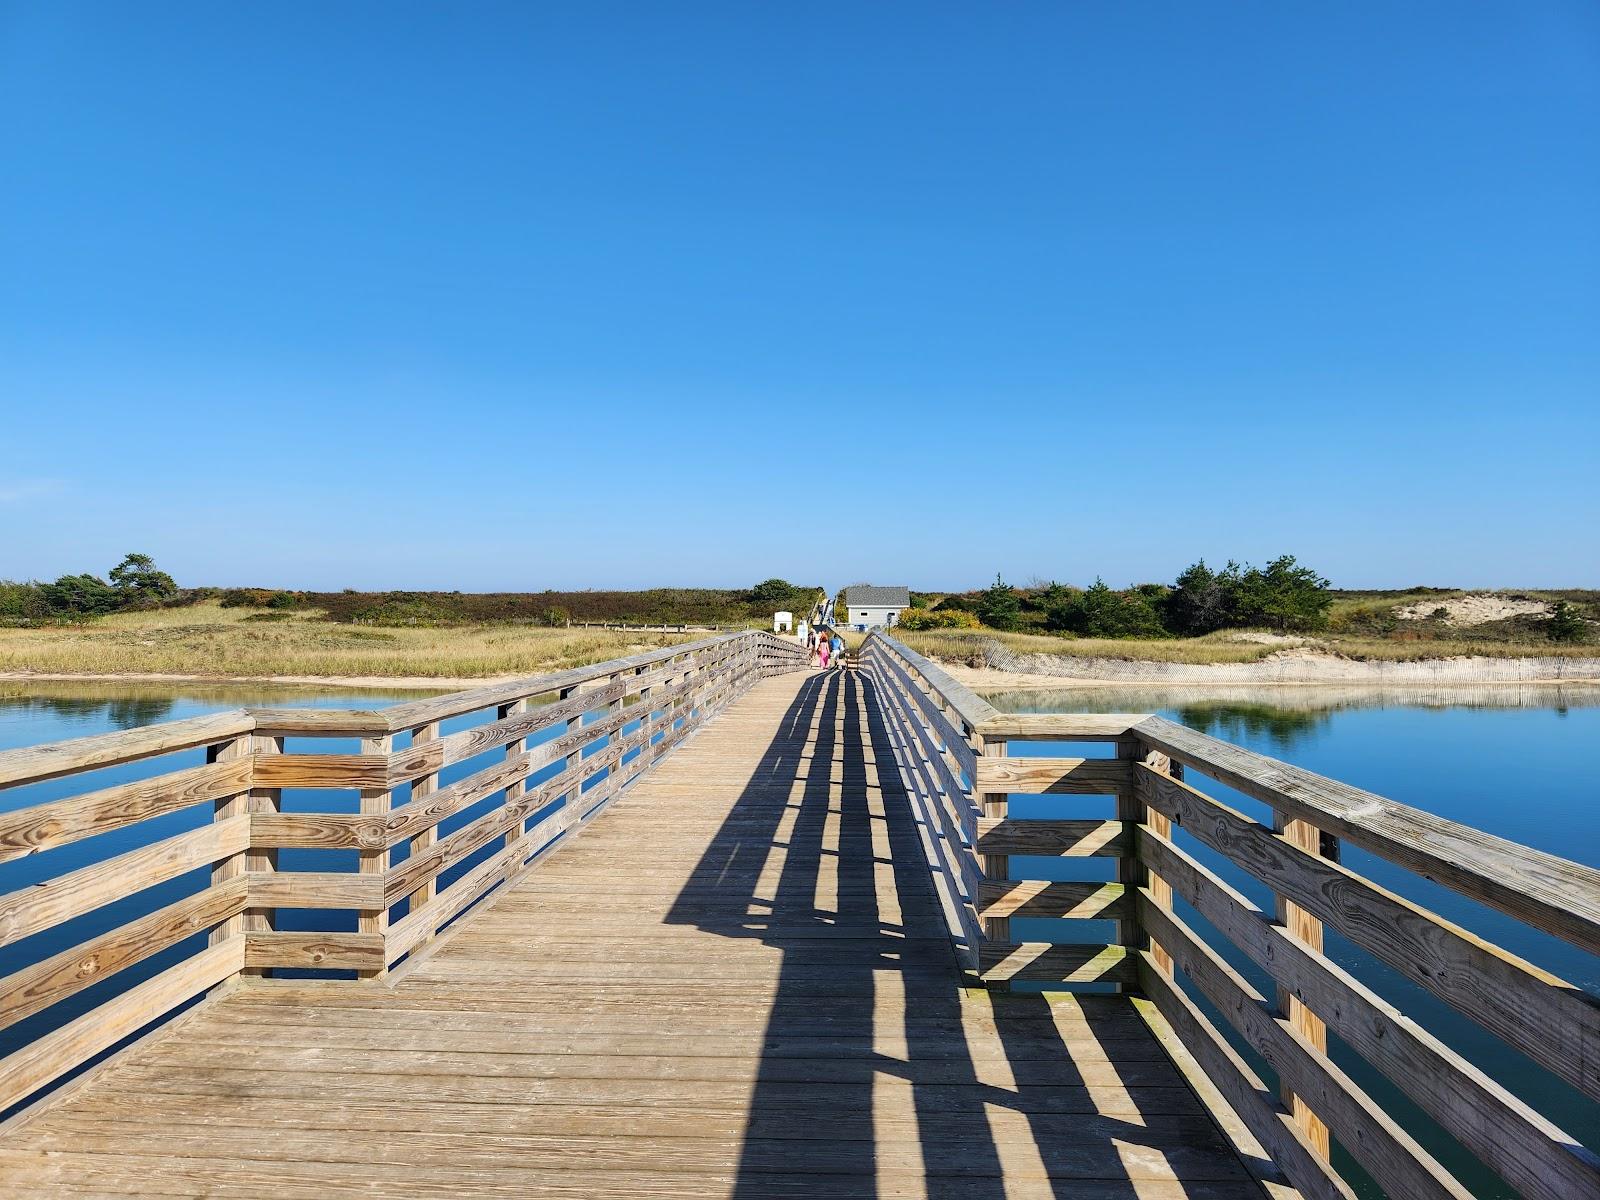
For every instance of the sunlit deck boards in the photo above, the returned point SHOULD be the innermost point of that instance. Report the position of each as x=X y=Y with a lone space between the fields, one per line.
x=736 y=984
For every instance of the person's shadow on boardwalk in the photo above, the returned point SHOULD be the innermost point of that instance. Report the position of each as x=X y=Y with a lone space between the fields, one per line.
x=867 y=1083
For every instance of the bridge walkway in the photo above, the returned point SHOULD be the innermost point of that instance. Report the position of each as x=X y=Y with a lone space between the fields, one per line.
x=737 y=983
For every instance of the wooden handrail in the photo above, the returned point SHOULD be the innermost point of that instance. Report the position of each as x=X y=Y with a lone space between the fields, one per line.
x=960 y=776
x=1549 y=893
x=611 y=722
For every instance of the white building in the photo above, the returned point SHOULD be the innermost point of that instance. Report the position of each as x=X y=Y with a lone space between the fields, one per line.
x=867 y=607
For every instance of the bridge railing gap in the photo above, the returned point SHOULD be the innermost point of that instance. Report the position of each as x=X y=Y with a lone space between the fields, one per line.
x=603 y=726
x=958 y=758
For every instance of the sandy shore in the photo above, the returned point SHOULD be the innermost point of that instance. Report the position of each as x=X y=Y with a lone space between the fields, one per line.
x=1293 y=667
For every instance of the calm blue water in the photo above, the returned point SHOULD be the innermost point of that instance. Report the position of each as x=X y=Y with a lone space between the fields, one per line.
x=1514 y=763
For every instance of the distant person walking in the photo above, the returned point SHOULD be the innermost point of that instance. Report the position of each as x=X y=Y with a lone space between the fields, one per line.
x=812 y=637
x=836 y=644
x=823 y=647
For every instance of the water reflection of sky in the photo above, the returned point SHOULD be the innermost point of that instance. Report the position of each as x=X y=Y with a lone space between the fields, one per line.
x=1282 y=717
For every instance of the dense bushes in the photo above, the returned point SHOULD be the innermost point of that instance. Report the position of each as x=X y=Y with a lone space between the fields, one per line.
x=1283 y=596
x=1100 y=612
x=915 y=619
x=134 y=583
x=654 y=606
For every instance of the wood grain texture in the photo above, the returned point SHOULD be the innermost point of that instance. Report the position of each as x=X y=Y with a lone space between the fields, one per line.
x=1547 y=892
x=1373 y=1138
x=31 y=764
x=736 y=980
x=1302 y=926
x=27 y=831
x=1531 y=1153
x=1041 y=776
x=1552 y=1021
x=51 y=980
x=362 y=952
x=33 y=909
x=1061 y=727
x=1252 y=1100
x=53 y=1055
x=1038 y=898
x=1060 y=838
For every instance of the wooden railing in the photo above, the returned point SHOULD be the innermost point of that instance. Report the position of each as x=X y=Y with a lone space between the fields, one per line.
x=415 y=854
x=953 y=751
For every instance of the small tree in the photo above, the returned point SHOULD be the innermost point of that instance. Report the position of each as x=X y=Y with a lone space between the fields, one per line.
x=139 y=583
x=998 y=606
x=1565 y=625
x=1201 y=599
x=772 y=593
x=81 y=596
x=1100 y=612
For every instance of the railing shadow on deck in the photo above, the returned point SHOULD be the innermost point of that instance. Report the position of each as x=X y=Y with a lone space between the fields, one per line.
x=853 y=1116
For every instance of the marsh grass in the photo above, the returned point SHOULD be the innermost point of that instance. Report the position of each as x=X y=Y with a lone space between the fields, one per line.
x=207 y=639
x=968 y=645
x=972 y=646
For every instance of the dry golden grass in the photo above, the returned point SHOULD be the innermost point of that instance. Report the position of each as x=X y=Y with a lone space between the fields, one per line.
x=968 y=645
x=965 y=644
x=213 y=641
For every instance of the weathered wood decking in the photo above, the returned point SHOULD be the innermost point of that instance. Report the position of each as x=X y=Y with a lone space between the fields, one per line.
x=737 y=983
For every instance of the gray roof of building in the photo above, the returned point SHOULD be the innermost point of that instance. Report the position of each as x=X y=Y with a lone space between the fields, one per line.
x=888 y=597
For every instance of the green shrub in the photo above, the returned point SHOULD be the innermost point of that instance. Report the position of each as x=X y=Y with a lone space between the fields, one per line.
x=915 y=619
x=1565 y=625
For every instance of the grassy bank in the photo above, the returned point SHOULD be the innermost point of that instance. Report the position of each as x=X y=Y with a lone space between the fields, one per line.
x=206 y=639
x=973 y=646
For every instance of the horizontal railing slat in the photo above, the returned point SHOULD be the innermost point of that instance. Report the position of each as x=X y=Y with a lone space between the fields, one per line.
x=33 y=909
x=1054 y=776
x=1061 y=727
x=1062 y=838
x=31 y=764
x=1041 y=898
x=321 y=951
x=438 y=708
x=1255 y=1104
x=1055 y=962
x=40 y=1063
x=1372 y=1137
x=1549 y=893
x=46 y=826
x=51 y=980
x=1545 y=1017
x=1532 y=1154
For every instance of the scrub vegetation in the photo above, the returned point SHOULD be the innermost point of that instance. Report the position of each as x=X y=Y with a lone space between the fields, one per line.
x=137 y=621
x=210 y=640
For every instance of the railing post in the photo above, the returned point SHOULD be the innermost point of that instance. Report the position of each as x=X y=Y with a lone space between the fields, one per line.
x=421 y=788
x=262 y=861
x=226 y=809
x=1303 y=927
x=613 y=709
x=996 y=867
x=375 y=861
x=514 y=790
x=1134 y=807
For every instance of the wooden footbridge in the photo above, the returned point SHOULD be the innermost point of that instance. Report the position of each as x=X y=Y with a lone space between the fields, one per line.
x=706 y=923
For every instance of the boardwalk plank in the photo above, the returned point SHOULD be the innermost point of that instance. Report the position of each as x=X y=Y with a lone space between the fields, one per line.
x=736 y=983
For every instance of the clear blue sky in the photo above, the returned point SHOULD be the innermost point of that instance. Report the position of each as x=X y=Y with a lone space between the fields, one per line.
x=566 y=295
